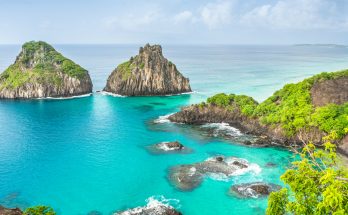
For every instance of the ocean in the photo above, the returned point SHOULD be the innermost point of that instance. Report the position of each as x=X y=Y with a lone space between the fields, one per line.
x=89 y=155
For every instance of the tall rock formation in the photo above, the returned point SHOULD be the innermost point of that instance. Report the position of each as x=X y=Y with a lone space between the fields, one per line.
x=40 y=71
x=147 y=74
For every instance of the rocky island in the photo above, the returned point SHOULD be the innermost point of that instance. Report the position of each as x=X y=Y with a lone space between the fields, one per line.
x=301 y=112
x=147 y=74
x=40 y=72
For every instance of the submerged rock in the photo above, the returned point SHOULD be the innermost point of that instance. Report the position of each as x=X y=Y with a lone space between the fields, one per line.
x=40 y=72
x=147 y=74
x=168 y=147
x=271 y=165
x=10 y=211
x=153 y=207
x=253 y=190
x=188 y=177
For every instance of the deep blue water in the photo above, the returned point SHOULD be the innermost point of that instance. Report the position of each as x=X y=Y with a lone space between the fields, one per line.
x=88 y=154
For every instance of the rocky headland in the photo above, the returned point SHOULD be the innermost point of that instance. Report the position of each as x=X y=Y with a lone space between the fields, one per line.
x=147 y=74
x=302 y=112
x=40 y=72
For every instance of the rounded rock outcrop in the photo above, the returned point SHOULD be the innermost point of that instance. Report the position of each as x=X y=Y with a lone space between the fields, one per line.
x=40 y=72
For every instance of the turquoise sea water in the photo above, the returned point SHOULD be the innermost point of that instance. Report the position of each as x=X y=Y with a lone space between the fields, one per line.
x=89 y=154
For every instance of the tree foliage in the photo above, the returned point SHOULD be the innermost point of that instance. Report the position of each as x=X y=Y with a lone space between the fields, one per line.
x=245 y=103
x=291 y=107
x=316 y=184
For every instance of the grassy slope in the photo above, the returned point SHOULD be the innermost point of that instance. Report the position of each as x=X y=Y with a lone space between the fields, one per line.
x=292 y=107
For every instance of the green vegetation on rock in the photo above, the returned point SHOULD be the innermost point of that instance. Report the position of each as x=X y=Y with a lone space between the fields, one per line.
x=246 y=104
x=126 y=69
x=39 y=62
x=291 y=107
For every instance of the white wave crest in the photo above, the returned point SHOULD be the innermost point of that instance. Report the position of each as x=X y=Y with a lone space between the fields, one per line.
x=224 y=128
x=252 y=168
x=111 y=94
x=163 y=119
x=178 y=94
x=63 y=98
x=164 y=147
x=155 y=204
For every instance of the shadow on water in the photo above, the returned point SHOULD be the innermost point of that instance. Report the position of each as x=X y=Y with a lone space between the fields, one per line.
x=13 y=200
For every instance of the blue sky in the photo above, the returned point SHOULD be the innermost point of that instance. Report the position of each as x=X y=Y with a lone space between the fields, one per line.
x=175 y=21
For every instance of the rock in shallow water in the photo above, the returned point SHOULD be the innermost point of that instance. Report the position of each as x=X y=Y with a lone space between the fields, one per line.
x=188 y=177
x=10 y=211
x=175 y=145
x=168 y=147
x=153 y=207
x=253 y=190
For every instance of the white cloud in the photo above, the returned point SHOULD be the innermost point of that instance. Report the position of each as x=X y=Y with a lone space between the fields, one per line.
x=216 y=14
x=185 y=16
x=131 y=21
x=294 y=14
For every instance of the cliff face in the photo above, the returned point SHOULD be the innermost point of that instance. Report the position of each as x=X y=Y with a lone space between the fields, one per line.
x=149 y=73
x=293 y=114
x=40 y=71
x=330 y=91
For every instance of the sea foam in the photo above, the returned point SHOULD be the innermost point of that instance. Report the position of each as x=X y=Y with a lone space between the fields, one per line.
x=223 y=128
x=163 y=119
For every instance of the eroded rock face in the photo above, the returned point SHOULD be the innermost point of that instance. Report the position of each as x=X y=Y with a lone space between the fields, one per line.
x=149 y=73
x=253 y=190
x=40 y=71
x=343 y=147
x=330 y=91
x=10 y=211
x=188 y=177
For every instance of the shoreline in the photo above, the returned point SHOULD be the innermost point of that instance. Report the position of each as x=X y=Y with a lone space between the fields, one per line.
x=123 y=96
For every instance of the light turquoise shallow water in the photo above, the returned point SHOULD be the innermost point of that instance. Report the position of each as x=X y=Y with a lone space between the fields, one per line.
x=89 y=154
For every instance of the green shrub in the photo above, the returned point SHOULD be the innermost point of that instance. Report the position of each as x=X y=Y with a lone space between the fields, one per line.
x=246 y=104
x=39 y=210
x=331 y=117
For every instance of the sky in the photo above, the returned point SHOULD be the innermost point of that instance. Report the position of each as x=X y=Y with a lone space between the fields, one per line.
x=174 y=21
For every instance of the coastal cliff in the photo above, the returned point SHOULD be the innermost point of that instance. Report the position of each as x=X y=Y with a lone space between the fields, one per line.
x=40 y=71
x=147 y=74
x=306 y=111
